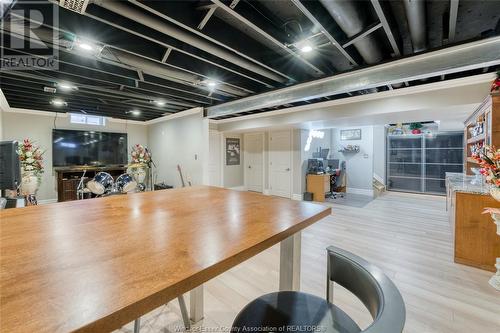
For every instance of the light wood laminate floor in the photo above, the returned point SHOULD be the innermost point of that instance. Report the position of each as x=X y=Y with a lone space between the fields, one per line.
x=407 y=236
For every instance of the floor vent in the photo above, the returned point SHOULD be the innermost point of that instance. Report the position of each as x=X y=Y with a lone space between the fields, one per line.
x=78 y=6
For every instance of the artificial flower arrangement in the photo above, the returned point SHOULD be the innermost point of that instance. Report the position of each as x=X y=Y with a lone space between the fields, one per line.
x=31 y=158
x=140 y=155
x=489 y=161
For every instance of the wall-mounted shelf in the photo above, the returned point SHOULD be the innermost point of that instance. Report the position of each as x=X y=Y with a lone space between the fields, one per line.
x=488 y=113
x=477 y=138
x=350 y=149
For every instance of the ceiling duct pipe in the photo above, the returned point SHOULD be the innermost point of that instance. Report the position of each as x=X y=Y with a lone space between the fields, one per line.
x=155 y=69
x=415 y=14
x=352 y=21
x=126 y=59
x=157 y=24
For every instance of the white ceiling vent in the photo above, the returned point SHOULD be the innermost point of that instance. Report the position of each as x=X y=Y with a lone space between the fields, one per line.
x=78 y=6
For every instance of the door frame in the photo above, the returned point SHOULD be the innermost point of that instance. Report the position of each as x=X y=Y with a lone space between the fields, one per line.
x=245 y=158
x=221 y=157
x=290 y=131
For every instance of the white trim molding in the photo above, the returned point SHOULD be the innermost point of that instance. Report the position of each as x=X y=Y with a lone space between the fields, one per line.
x=47 y=201
x=297 y=196
x=237 y=188
x=361 y=191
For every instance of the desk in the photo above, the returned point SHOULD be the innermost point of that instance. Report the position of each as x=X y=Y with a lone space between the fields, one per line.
x=318 y=185
x=95 y=265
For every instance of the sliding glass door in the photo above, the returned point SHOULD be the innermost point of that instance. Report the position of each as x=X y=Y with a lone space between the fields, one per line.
x=418 y=163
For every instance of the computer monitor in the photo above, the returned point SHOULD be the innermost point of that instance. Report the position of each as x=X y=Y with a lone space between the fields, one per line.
x=333 y=164
x=10 y=168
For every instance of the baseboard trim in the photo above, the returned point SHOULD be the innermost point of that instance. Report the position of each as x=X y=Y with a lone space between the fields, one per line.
x=46 y=201
x=237 y=188
x=266 y=191
x=297 y=197
x=361 y=191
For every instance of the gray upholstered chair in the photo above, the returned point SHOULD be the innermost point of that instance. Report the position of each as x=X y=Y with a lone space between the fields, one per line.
x=290 y=311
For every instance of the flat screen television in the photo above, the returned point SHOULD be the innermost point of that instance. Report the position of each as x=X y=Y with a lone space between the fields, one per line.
x=77 y=148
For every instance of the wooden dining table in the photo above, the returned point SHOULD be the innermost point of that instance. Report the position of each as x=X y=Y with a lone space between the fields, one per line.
x=95 y=265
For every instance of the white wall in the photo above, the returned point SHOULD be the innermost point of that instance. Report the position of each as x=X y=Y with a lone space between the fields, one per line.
x=181 y=140
x=38 y=127
x=359 y=166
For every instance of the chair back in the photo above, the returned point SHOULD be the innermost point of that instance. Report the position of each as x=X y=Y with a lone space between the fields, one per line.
x=368 y=283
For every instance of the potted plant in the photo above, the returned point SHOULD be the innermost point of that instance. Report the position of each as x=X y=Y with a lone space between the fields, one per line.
x=415 y=128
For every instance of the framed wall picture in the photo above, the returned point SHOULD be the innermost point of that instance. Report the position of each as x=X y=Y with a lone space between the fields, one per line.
x=233 y=151
x=350 y=134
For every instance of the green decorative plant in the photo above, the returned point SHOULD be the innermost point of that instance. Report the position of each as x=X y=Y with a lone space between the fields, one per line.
x=416 y=126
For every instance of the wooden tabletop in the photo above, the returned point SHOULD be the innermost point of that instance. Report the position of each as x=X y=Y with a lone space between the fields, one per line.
x=95 y=265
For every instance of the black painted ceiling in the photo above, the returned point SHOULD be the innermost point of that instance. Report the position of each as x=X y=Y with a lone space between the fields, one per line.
x=135 y=64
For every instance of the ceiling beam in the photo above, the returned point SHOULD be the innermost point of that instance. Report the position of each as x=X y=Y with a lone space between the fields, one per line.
x=325 y=32
x=453 y=20
x=387 y=28
x=362 y=34
x=242 y=61
x=474 y=55
x=208 y=15
x=267 y=36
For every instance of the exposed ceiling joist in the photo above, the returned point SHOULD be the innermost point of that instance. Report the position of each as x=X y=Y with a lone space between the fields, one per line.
x=267 y=36
x=325 y=32
x=468 y=56
x=452 y=28
x=207 y=17
x=159 y=25
x=362 y=34
x=386 y=26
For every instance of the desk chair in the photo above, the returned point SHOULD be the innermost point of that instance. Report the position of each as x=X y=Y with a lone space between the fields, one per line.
x=293 y=310
x=184 y=313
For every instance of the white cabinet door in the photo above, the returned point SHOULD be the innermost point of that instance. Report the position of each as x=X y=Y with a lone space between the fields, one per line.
x=215 y=158
x=254 y=147
x=280 y=163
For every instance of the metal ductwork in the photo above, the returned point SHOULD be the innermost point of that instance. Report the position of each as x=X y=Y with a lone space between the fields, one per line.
x=352 y=21
x=122 y=58
x=474 y=55
x=415 y=14
x=155 y=69
x=166 y=28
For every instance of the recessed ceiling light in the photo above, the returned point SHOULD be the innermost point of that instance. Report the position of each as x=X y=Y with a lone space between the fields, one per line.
x=211 y=83
x=85 y=46
x=160 y=103
x=66 y=86
x=306 y=48
x=58 y=102
x=135 y=112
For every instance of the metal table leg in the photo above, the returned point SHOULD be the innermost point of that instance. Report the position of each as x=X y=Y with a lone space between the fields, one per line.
x=290 y=250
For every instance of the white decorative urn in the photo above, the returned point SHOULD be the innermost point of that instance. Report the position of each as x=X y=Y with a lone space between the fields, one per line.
x=29 y=183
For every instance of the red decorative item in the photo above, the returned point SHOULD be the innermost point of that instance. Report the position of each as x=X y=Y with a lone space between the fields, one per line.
x=416 y=131
x=495 y=86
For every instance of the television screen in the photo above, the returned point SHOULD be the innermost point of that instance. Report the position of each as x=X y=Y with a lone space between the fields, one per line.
x=10 y=168
x=73 y=148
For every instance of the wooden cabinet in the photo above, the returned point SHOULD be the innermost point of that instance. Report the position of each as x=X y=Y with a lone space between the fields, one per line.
x=69 y=178
x=475 y=240
x=487 y=114
x=318 y=185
